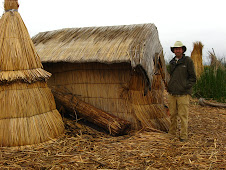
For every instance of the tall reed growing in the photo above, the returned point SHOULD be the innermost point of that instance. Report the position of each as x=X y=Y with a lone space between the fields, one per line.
x=212 y=84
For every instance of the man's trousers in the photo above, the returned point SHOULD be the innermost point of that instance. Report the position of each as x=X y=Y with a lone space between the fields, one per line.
x=178 y=107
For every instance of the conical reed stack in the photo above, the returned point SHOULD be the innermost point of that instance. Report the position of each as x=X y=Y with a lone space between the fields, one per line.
x=28 y=112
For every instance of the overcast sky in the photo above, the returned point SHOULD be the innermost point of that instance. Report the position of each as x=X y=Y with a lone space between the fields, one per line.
x=184 y=20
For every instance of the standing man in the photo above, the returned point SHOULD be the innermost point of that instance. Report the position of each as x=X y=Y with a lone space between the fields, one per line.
x=182 y=78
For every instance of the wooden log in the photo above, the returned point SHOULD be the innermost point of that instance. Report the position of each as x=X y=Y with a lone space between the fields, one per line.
x=203 y=102
x=114 y=125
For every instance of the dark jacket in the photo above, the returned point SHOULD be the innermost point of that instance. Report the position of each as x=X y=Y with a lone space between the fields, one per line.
x=182 y=76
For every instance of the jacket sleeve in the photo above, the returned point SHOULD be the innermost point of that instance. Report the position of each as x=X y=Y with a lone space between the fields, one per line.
x=191 y=74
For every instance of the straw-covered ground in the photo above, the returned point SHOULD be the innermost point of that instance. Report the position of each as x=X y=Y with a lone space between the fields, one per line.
x=82 y=147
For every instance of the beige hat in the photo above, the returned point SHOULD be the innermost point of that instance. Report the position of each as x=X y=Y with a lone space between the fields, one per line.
x=178 y=44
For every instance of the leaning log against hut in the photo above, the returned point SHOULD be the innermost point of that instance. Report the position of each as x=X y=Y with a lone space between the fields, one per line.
x=28 y=112
x=112 y=124
x=111 y=68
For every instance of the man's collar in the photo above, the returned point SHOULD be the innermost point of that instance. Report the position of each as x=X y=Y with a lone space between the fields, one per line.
x=179 y=58
x=179 y=61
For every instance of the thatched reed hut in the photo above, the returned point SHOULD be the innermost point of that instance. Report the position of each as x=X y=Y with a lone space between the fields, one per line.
x=114 y=68
x=28 y=112
x=196 y=56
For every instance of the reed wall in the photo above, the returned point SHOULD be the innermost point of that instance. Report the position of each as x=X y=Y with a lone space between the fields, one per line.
x=115 y=88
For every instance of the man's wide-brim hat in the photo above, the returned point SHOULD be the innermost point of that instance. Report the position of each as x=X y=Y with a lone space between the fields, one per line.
x=178 y=44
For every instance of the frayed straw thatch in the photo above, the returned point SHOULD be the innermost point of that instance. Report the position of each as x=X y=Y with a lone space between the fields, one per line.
x=215 y=63
x=135 y=44
x=196 y=56
x=149 y=109
x=28 y=76
x=28 y=112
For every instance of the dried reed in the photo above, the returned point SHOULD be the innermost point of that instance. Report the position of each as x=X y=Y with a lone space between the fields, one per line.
x=215 y=63
x=91 y=149
x=107 y=86
x=114 y=88
x=11 y=4
x=196 y=56
x=148 y=109
x=28 y=111
x=134 y=44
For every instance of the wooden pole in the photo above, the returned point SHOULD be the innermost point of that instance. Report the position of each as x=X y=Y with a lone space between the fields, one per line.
x=114 y=125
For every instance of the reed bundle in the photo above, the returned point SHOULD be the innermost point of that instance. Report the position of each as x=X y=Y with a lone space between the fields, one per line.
x=11 y=4
x=196 y=56
x=214 y=62
x=114 y=125
x=28 y=112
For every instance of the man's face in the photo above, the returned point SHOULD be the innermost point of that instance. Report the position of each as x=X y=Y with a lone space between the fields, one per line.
x=178 y=51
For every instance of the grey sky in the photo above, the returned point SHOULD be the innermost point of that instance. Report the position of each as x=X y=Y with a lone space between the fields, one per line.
x=184 y=20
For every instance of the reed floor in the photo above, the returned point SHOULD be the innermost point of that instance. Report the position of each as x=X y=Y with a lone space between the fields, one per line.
x=83 y=147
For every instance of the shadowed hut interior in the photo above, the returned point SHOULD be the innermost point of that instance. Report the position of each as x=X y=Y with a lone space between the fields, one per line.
x=28 y=112
x=113 y=68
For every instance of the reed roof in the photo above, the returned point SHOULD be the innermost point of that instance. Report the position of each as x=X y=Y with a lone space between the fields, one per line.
x=135 y=44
